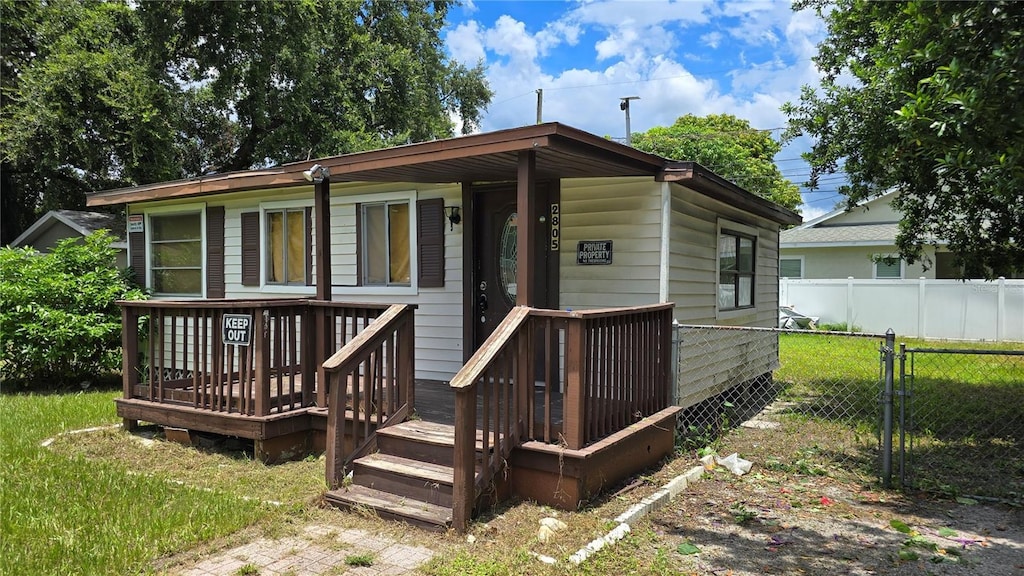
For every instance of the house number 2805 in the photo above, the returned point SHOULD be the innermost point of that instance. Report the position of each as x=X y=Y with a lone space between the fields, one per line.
x=556 y=222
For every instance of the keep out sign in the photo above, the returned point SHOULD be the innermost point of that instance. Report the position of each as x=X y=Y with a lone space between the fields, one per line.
x=237 y=329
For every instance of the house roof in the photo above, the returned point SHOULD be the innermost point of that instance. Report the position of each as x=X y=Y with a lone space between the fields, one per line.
x=864 y=234
x=85 y=223
x=835 y=229
x=561 y=152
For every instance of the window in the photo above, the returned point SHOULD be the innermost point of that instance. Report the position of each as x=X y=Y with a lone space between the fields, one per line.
x=735 y=270
x=176 y=253
x=888 y=266
x=791 y=267
x=286 y=246
x=385 y=244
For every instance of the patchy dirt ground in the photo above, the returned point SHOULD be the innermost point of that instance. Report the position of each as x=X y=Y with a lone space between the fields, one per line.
x=804 y=509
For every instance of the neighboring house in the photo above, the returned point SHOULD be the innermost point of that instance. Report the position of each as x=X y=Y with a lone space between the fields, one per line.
x=858 y=243
x=57 y=225
x=469 y=230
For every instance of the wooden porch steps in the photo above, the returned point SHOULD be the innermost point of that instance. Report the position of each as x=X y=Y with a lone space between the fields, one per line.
x=393 y=506
x=410 y=478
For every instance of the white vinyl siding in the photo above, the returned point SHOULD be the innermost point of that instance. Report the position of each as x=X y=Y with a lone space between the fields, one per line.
x=724 y=357
x=626 y=211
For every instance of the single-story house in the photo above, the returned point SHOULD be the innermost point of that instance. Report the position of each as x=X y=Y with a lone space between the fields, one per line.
x=519 y=283
x=57 y=225
x=858 y=243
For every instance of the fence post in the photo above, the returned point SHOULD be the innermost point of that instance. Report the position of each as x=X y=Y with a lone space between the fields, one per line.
x=1001 y=309
x=677 y=340
x=849 y=304
x=888 y=353
x=922 y=283
x=903 y=414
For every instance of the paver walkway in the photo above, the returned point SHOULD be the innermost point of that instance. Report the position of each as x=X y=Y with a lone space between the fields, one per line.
x=319 y=550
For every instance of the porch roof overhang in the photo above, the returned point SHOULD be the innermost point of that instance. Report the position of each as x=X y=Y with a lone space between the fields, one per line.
x=561 y=152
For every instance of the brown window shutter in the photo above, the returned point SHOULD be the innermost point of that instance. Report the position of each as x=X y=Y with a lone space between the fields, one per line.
x=430 y=229
x=137 y=256
x=214 y=251
x=250 y=249
x=309 y=246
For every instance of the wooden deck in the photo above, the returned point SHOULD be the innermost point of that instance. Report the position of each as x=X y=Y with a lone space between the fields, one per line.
x=553 y=406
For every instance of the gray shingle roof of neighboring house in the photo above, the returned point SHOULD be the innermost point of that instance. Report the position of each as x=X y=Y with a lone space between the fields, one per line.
x=852 y=234
x=83 y=222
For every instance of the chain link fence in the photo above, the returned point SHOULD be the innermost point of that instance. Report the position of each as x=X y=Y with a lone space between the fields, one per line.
x=936 y=419
x=961 y=421
x=816 y=394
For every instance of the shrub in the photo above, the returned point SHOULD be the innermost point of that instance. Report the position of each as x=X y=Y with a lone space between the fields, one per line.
x=59 y=323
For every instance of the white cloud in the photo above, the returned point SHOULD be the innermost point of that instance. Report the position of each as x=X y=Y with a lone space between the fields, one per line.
x=611 y=13
x=810 y=212
x=712 y=39
x=466 y=43
x=509 y=38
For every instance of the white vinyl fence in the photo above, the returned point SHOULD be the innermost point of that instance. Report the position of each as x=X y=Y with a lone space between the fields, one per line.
x=942 y=309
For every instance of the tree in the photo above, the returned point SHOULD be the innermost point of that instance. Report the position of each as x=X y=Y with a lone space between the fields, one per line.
x=923 y=98
x=60 y=322
x=728 y=146
x=101 y=94
x=80 y=109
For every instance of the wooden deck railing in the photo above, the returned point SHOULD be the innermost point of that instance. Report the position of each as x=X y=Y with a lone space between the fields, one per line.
x=175 y=353
x=569 y=378
x=371 y=386
x=337 y=323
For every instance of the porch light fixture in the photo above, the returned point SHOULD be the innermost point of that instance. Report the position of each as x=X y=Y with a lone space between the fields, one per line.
x=454 y=217
x=316 y=173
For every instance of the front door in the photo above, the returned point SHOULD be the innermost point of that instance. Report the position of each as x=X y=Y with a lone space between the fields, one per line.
x=496 y=226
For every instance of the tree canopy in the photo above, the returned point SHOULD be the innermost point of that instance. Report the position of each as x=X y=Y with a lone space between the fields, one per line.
x=728 y=146
x=924 y=98
x=100 y=94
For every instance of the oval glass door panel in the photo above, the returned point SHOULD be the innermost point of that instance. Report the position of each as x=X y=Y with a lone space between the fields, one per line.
x=507 y=257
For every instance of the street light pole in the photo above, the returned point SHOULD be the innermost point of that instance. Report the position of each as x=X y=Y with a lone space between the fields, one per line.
x=624 y=106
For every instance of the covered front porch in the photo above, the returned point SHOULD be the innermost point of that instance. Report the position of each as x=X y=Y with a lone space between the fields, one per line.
x=554 y=406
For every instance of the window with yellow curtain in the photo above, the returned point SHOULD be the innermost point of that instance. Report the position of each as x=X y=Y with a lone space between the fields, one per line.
x=286 y=247
x=386 y=253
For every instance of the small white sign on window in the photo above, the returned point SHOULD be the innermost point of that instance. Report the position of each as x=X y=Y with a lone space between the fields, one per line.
x=136 y=223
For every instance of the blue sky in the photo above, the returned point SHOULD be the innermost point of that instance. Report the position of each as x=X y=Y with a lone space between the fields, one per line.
x=743 y=58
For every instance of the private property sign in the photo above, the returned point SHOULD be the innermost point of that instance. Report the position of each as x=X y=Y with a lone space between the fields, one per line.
x=594 y=252
x=237 y=329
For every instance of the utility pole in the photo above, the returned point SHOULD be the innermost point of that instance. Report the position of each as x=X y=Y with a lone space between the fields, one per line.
x=624 y=106
x=540 y=104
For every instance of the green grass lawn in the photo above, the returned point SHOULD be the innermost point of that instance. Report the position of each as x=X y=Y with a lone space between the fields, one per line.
x=962 y=409
x=69 y=515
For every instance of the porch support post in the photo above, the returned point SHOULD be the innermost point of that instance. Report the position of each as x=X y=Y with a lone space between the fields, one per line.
x=320 y=340
x=322 y=211
x=575 y=394
x=526 y=207
x=129 y=356
x=464 y=481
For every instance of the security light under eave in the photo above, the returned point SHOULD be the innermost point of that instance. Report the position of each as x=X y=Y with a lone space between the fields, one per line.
x=316 y=173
